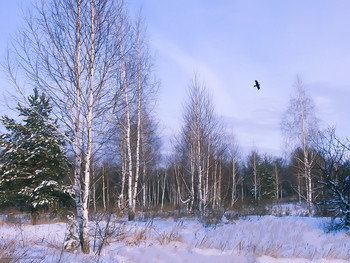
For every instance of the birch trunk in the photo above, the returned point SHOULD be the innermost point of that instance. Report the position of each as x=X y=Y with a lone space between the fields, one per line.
x=103 y=187
x=121 y=196
x=81 y=214
x=144 y=186
x=163 y=190
x=199 y=166
x=206 y=188
x=277 y=180
x=138 y=118
x=94 y=187
x=215 y=184
x=307 y=169
x=131 y=214
x=234 y=184
x=86 y=181
x=158 y=187
x=192 y=181
x=255 y=177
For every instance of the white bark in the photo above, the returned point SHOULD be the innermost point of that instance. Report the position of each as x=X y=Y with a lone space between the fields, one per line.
x=94 y=187
x=255 y=174
x=107 y=191
x=77 y=134
x=163 y=189
x=128 y=129
x=215 y=184
x=192 y=180
x=124 y=161
x=306 y=161
x=103 y=187
x=86 y=180
x=234 y=184
x=206 y=188
x=138 y=116
x=144 y=187
x=199 y=170
x=277 y=180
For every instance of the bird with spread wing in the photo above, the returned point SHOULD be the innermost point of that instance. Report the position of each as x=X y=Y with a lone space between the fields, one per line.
x=257 y=84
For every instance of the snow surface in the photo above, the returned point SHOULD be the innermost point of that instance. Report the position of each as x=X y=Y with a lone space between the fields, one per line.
x=260 y=239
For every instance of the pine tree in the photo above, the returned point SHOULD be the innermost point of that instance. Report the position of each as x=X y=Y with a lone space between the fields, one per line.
x=33 y=160
x=268 y=182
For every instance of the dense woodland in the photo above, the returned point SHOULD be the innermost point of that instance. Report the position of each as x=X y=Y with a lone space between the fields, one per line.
x=88 y=139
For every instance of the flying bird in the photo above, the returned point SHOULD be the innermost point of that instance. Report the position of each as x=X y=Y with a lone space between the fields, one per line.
x=257 y=84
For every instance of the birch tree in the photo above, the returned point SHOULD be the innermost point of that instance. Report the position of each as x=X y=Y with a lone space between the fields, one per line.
x=136 y=107
x=299 y=126
x=126 y=92
x=234 y=152
x=253 y=162
x=199 y=143
x=70 y=50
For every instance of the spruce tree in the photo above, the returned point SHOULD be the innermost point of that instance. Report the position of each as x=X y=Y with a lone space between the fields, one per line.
x=33 y=160
x=268 y=182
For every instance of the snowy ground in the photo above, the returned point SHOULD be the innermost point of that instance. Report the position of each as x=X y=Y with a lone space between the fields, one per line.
x=263 y=239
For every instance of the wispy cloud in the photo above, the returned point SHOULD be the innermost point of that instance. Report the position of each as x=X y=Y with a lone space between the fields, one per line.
x=190 y=65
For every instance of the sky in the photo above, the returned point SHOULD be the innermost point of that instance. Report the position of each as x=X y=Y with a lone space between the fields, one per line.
x=231 y=43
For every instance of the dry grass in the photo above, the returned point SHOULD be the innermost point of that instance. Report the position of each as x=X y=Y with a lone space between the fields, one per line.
x=165 y=238
x=10 y=252
x=147 y=234
x=260 y=238
x=138 y=235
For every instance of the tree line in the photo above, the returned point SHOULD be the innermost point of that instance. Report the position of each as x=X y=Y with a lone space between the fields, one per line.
x=89 y=137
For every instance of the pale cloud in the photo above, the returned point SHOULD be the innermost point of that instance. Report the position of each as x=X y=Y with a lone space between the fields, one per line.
x=253 y=115
x=190 y=66
x=232 y=43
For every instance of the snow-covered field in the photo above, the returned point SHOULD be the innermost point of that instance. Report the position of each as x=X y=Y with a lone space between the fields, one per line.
x=262 y=239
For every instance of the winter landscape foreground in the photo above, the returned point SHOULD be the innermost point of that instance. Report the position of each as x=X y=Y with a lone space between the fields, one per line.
x=250 y=239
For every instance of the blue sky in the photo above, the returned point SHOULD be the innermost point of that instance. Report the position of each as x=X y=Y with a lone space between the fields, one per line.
x=232 y=43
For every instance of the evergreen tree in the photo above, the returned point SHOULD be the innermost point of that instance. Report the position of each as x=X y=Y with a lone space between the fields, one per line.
x=33 y=160
x=268 y=182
